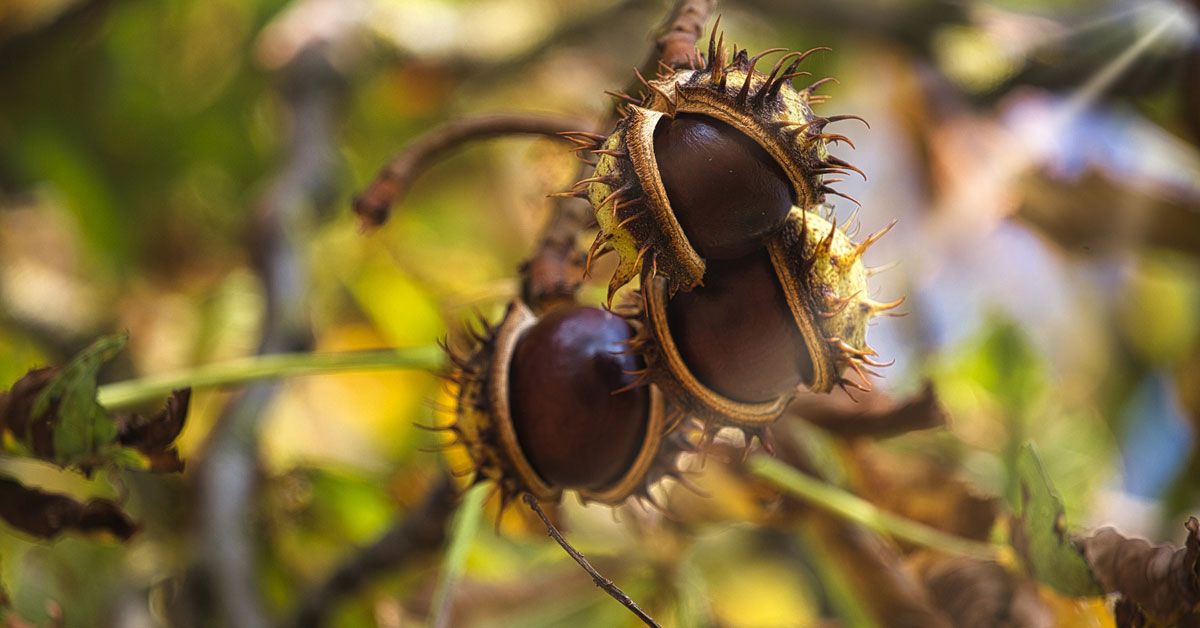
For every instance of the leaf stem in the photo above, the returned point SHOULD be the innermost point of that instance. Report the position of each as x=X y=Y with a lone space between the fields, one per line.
x=462 y=533
x=862 y=512
x=135 y=391
x=608 y=586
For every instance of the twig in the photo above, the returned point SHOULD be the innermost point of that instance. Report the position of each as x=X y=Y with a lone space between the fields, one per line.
x=875 y=416
x=396 y=177
x=552 y=274
x=133 y=392
x=421 y=532
x=227 y=475
x=677 y=44
x=602 y=582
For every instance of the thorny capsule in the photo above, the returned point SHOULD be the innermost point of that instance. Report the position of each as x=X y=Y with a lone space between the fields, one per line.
x=545 y=405
x=707 y=165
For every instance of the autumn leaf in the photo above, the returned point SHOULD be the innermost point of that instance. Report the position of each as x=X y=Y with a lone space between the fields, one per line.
x=1160 y=583
x=47 y=515
x=154 y=436
x=54 y=415
x=80 y=425
x=980 y=593
x=1039 y=533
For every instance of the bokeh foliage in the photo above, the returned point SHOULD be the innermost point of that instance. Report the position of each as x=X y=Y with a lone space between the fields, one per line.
x=1051 y=263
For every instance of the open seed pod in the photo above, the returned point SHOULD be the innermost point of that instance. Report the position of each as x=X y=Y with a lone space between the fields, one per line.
x=734 y=351
x=707 y=165
x=551 y=404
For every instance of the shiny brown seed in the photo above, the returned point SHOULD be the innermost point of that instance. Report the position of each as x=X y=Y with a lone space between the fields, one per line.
x=575 y=432
x=736 y=333
x=727 y=192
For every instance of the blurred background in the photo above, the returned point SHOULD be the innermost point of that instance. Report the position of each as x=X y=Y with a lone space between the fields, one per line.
x=160 y=159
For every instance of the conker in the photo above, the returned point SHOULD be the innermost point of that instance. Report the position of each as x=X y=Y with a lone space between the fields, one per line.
x=706 y=166
x=737 y=334
x=573 y=425
x=545 y=405
x=727 y=193
x=734 y=351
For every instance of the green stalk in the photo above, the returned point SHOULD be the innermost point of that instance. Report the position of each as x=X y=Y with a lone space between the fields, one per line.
x=864 y=513
x=155 y=387
x=462 y=534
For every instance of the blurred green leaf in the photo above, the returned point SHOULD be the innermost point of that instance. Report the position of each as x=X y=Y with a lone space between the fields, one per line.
x=462 y=534
x=83 y=426
x=1040 y=535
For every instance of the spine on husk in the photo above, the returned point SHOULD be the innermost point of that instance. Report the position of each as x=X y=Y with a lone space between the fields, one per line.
x=626 y=191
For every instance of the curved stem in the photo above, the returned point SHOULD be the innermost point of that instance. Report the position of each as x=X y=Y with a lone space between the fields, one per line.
x=269 y=366
x=863 y=512
x=393 y=182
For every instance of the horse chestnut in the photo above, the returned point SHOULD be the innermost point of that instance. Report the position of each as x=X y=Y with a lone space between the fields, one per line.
x=553 y=404
x=734 y=351
x=727 y=192
x=736 y=332
x=707 y=165
x=576 y=430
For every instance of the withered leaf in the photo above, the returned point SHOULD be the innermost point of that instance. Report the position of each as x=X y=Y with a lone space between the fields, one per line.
x=46 y=515
x=1156 y=582
x=981 y=593
x=154 y=436
x=16 y=408
x=1040 y=536
x=53 y=412
x=922 y=488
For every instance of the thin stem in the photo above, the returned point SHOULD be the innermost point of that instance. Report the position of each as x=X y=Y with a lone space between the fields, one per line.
x=393 y=182
x=462 y=534
x=602 y=582
x=862 y=512
x=132 y=392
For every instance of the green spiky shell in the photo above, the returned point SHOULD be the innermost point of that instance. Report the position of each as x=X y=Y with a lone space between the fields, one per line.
x=626 y=190
x=825 y=282
x=484 y=424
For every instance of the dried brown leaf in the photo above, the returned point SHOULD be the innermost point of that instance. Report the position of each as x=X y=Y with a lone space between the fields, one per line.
x=923 y=489
x=46 y=515
x=981 y=593
x=1157 y=583
x=154 y=436
x=16 y=409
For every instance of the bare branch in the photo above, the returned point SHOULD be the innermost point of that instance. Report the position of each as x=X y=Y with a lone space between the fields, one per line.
x=602 y=582
x=394 y=179
x=874 y=415
x=227 y=476
x=420 y=533
x=677 y=44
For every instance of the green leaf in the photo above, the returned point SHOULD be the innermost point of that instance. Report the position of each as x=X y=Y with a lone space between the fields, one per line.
x=1040 y=535
x=83 y=426
x=462 y=535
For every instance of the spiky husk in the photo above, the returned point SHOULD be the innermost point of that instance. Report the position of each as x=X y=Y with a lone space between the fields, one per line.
x=821 y=272
x=484 y=423
x=825 y=281
x=626 y=189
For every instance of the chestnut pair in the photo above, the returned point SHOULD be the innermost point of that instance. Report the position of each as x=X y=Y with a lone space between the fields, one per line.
x=711 y=190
